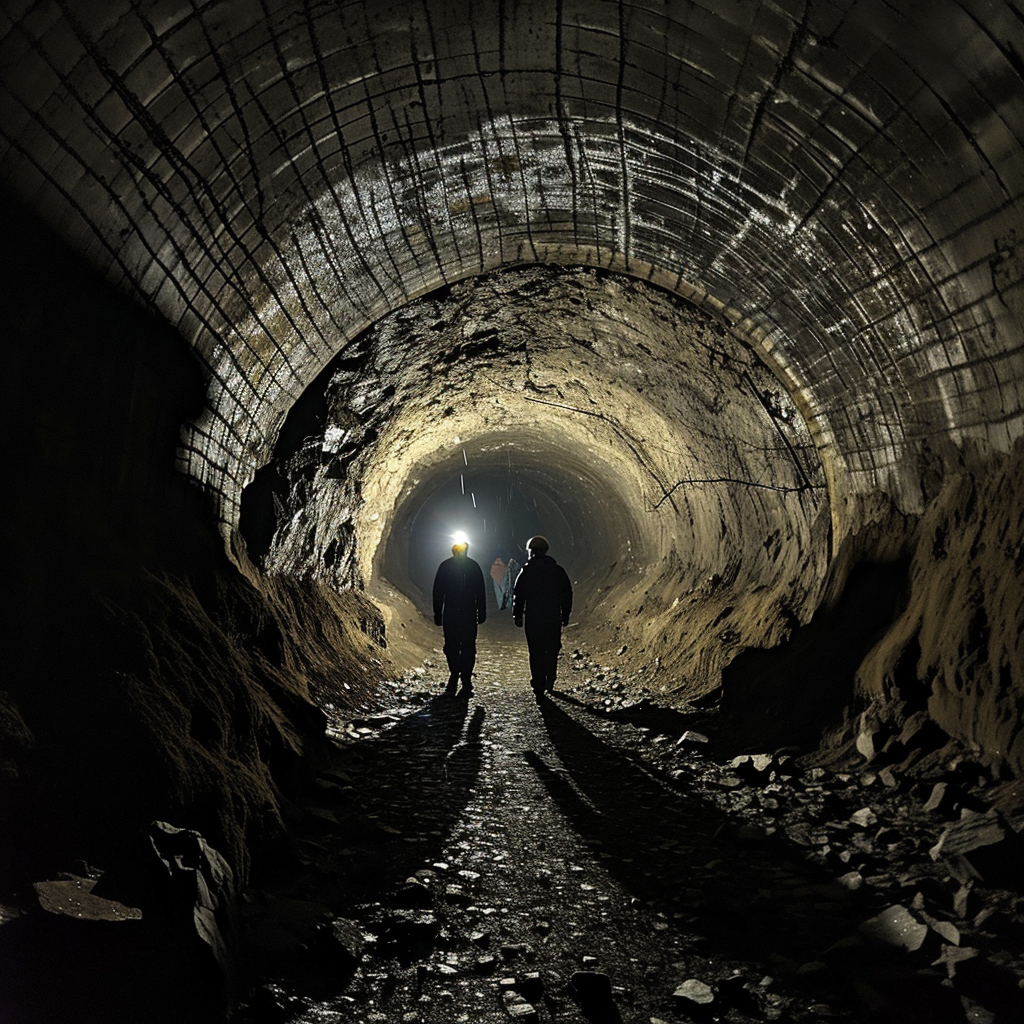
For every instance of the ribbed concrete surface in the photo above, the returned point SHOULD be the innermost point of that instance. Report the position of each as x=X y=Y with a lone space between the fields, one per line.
x=843 y=180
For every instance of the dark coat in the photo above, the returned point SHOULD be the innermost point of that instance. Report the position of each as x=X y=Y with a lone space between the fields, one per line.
x=542 y=592
x=459 y=596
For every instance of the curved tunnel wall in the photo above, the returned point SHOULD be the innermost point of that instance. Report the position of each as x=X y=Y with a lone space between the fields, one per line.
x=656 y=451
x=838 y=181
x=777 y=245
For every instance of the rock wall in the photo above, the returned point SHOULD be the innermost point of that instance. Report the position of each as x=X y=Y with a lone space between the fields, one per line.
x=956 y=651
x=148 y=678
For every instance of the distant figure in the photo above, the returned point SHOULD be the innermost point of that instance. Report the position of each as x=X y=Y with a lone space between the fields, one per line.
x=460 y=603
x=543 y=597
x=498 y=573
x=510 y=578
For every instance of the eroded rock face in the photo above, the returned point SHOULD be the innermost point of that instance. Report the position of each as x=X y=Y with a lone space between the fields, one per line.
x=667 y=464
x=956 y=651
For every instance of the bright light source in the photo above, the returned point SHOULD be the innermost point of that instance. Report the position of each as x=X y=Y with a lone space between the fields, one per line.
x=460 y=538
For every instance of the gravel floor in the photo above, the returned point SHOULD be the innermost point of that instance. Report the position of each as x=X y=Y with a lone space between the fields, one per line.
x=498 y=857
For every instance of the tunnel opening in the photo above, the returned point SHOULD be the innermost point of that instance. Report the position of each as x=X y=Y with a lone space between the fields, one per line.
x=499 y=507
x=661 y=455
x=836 y=187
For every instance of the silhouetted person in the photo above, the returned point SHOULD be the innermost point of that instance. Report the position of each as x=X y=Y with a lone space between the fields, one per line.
x=460 y=603
x=542 y=596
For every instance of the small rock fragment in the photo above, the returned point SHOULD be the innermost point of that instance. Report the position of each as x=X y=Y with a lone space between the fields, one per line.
x=695 y=991
x=865 y=817
x=691 y=736
x=938 y=794
x=73 y=897
x=896 y=926
x=951 y=956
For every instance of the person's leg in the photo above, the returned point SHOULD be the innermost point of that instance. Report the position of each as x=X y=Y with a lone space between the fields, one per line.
x=452 y=652
x=467 y=659
x=552 y=645
x=535 y=645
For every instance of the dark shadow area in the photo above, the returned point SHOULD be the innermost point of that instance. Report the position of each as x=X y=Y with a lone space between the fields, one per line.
x=752 y=897
x=96 y=391
x=789 y=695
x=389 y=805
x=146 y=679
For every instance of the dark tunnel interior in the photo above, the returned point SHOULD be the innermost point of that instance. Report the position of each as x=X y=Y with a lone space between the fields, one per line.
x=725 y=299
x=498 y=509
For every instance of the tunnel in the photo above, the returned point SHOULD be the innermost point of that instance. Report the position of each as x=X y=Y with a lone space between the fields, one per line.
x=726 y=299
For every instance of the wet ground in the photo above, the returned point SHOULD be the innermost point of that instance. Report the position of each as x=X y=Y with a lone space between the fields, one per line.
x=501 y=857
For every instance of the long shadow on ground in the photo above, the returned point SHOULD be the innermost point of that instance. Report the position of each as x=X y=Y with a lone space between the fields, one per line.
x=390 y=804
x=750 y=895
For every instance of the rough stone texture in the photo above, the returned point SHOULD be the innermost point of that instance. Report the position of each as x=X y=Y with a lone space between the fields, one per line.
x=957 y=649
x=146 y=677
x=838 y=185
x=838 y=180
x=575 y=389
x=73 y=897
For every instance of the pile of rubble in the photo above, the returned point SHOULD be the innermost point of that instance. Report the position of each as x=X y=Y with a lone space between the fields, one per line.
x=936 y=860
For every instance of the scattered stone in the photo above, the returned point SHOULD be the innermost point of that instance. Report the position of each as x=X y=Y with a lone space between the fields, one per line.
x=199 y=875
x=896 y=926
x=866 y=744
x=521 y=1010
x=73 y=897
x=969 y=833
x=946 y=929
x=938 y=795
x=690 y=736
x=695 y=991
x=457 y=894
x=865 y=817
x=951 y=956
x=852 y=880
x=962 y=902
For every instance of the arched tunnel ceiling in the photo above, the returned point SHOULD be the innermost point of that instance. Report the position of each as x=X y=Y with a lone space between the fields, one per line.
x=840 y=182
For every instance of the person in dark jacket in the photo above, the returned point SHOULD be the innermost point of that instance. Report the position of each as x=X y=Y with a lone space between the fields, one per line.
x=460 y=603
x=542 y=597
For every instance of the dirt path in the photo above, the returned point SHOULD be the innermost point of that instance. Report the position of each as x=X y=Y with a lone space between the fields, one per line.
x=516 y=859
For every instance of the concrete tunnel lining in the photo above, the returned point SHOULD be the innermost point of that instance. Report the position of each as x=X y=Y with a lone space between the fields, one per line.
x=778 y=244
x=780 y=163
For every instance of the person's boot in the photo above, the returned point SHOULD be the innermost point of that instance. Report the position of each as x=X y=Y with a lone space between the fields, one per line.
x=453 y=681
x=467 y=687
